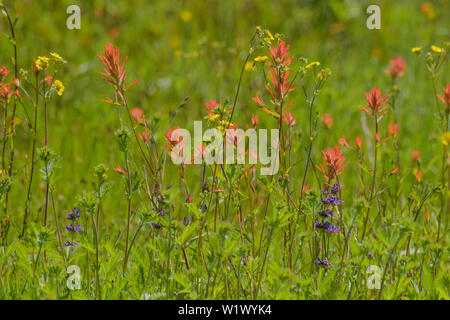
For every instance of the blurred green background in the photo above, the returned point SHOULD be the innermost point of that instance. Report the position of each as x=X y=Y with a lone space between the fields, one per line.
x=197 y=48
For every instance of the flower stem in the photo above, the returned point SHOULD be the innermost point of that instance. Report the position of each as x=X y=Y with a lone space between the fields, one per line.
x=374 y=176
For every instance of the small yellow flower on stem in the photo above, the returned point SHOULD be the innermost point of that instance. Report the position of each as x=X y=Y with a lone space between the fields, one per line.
x=260 y=58
x=42 y=63
x=436 y=49
x=59 y=87
x=416 y=50
x=313 y=64
x=57 y=57
x=446 y=138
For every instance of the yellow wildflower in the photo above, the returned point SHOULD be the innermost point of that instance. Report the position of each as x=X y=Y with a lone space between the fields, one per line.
x=57 y=57
x=446 y=138
x=313 y=64
x=269 y=37
x=250 y=66
x=416 y=49
x=42 y=63
x=186 y=15
x=436 y=49
x=324 y=74
x=260 y=58
x=59 y=87
x=212 y=117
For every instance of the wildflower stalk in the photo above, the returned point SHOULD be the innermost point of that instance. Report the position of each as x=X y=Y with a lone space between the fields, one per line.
x=394 y=92
x=5 y=133
x=58 y=231
x=128 y=211
x=122 y=92
x=444 y=128
x=269 y=241
x=33 y=154
x=45 y=144
x=100 y=173
x=375 y=109
x=13 y=131
x=374 y=173
x=308 y=162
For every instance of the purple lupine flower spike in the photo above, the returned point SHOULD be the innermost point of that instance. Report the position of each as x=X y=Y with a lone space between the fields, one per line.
x=72 y=228
x=155 y=225
x=335 y=189
x=75 y=214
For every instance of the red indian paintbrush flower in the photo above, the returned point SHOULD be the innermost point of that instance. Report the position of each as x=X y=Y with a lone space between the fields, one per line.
x=114 y=71
x=279 y=77
x=396 y=68
x=3 y=72
x=138 y=114
x=211 y=105
x=446 y=98
x=289 y=119
x=415 y=155
x=327 y=120
x=333 y=163
x=118 y=169
x=169 y=142
x=374 y=101
x=280 y=54
x=393 y=129
x=254 y=121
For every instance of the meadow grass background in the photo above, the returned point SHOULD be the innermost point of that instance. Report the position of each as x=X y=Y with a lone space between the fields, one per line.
x=196 y=49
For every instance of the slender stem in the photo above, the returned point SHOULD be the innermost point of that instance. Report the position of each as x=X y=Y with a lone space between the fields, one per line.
x=5 y=133
x=128 y=213
x=374 y=176
x=97 y=265
x=46 y=143
x=308 y=161
x=13 y=131
x=58 y=232
x=135 y=133
x=33 y=153
x=444 y=128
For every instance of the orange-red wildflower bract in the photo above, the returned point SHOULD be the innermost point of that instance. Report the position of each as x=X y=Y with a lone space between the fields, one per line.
x=118 y=169
x=415 y=155
x=3 y=72
x=333 y=163
x=446 y=98
x=327 y=120
x=374 y=100
x=397 y=68
x=279 y=84
x=144 y=136
x=114 y=71
x=289 y=119
x=343 y=142
x=138 y=114
x=358 y=142
x=393 y=129
x=169 y=142
x=212 y=104
x=254 y=121
x=419 y=176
